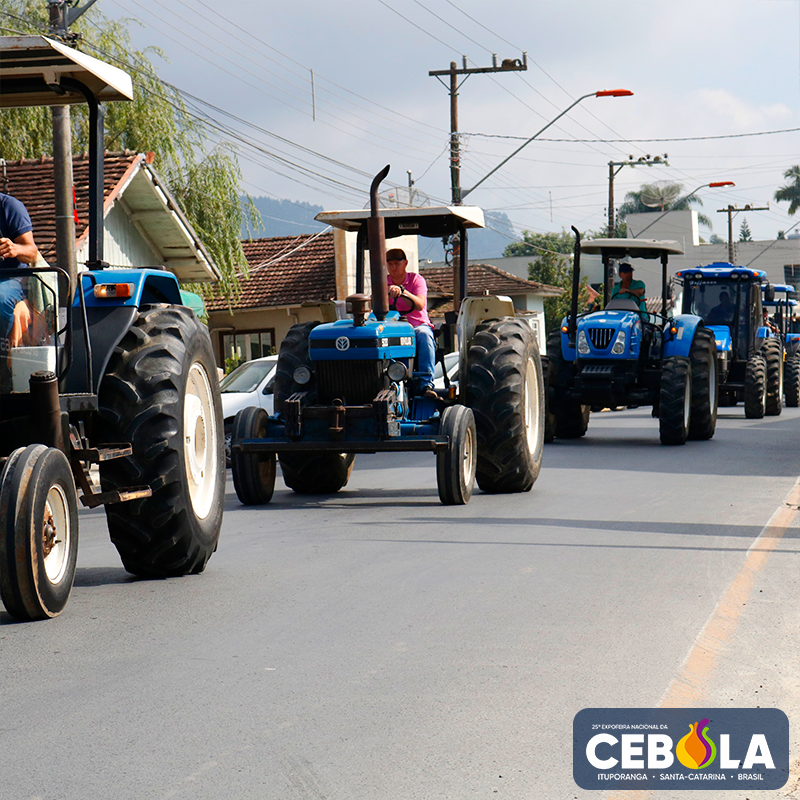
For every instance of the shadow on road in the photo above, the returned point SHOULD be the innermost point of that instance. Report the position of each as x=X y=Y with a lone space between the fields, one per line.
x=104 y=576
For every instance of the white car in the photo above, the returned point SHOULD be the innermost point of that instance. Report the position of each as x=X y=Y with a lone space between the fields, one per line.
x=250 y=384
x=451 y=364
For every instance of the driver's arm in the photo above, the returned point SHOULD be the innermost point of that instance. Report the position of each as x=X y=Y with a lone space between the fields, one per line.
x=22 y=248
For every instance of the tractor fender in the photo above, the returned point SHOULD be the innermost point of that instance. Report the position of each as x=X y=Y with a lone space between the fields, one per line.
x=679 y=335
x=722 y=337
x=144 y=287
x=567 y=350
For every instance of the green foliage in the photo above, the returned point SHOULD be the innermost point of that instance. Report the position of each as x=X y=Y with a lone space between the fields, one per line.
x=744 y=232
x=633 y=205
x=791 y=192
x=552 y=265
x=205 y=181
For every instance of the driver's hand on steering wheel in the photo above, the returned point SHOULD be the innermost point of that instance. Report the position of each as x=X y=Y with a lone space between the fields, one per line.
x=395 y=291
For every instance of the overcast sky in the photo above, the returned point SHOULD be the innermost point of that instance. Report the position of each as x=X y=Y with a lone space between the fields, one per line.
x=705 y=68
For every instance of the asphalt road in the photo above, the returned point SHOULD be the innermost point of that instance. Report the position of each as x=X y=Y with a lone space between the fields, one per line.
x=375 y=644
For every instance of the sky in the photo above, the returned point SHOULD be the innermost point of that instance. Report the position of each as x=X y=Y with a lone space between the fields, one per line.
x=716 y=86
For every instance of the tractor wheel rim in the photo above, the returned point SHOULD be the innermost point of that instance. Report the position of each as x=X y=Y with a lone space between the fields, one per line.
x=56 y=533
x=468 y=461
x=199 y=440
x=532 y=410
x=687 y=403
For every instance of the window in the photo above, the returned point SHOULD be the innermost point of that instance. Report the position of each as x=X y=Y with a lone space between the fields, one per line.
x=241 y=346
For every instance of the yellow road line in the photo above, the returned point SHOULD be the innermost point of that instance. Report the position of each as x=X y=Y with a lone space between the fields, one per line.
x=690 y=686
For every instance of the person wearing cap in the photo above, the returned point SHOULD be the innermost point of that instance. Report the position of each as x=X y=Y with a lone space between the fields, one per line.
x=408 y=293
x=628 y=288
x=722 y=314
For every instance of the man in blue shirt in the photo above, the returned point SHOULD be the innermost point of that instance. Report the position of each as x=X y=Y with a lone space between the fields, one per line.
x=628 y=288
x=17 y=248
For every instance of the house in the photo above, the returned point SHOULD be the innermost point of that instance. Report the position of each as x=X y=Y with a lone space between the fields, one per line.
x=143 y=225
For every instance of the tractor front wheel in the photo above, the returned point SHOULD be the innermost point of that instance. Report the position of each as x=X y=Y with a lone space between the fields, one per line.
x=39 y=534
x=564 y=419
x=455 y=466
x=703 y=356
x=505 y=391
x=792 y=381
x=253 y=473
x=675 y=401
x=773 y=355
x=755 y=387
x=160 y=394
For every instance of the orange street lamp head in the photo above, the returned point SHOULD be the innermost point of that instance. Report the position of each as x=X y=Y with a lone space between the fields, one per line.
x=614 y=93
x=720 y=183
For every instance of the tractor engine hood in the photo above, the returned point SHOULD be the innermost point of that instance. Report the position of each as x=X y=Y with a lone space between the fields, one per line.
x=372 y=341
x=609 y=334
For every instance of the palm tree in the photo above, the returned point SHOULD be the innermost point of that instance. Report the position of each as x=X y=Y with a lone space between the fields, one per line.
x=790 y=192
x=633 y=205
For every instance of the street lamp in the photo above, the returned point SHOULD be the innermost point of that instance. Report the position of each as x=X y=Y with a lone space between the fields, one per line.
x=604 y=93
x=713 y=185
x=646 y=161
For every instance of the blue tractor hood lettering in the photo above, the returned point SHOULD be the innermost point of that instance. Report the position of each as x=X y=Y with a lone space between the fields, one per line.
x=373 y=341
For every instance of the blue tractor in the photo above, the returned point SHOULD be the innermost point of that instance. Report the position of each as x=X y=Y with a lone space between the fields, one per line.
x=624 y=356
x=750 y=355
x=105 y=368
x=789 y=330
x=349 y=386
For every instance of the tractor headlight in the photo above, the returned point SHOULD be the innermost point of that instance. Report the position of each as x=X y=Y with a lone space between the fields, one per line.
x=301 y=375
x=583 y=345
x=619 y=344
x=397 y=371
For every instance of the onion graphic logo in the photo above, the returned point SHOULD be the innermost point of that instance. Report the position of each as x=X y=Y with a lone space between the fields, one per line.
x=696 y=750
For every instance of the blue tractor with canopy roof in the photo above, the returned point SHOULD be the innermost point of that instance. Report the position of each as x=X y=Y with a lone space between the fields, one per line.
x=348 y=387
x=749 y=354
x=106 y=367
x=783 y=318
x=624 y=356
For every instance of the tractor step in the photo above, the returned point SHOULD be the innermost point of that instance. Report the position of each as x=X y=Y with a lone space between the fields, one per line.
x=105 y=452
x=91 y=500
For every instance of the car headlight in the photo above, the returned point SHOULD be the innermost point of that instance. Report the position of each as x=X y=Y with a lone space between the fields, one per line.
x=301 y=375
x=583 y=345
x=619 y=344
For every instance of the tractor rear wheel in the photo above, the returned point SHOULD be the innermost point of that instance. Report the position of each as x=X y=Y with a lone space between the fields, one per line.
x=505 y=391
x=755 y=387
x=316 y=472
x=455 y=466
x=773 y=355
x=253 y=473
x=792 y=381
x=703 y=355
x=160 y=394
x=39 y=535
x=675 y=401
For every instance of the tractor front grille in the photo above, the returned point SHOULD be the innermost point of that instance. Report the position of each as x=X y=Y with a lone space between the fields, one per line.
x=600 y=337
x=355 y=383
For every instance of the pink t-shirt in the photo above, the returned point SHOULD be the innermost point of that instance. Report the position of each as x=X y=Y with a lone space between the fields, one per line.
x=414 y=283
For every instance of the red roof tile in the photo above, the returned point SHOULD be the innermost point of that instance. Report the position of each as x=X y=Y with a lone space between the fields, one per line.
x=484 y=279
x=31 y=181
x=285 y=270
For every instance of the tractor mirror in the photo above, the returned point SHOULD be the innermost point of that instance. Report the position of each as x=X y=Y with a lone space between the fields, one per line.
x=769 y=293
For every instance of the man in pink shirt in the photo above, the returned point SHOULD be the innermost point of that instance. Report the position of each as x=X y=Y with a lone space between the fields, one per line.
x=408 y=292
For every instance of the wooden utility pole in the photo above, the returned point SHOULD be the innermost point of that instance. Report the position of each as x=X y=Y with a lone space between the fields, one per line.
x=507 y=65
x=730 y=211
x=643 y=161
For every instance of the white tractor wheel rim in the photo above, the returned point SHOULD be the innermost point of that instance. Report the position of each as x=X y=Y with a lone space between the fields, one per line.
x=56 y=534
x=468 y=461
x=687 y=403
x=199 y=440
x=532 y=410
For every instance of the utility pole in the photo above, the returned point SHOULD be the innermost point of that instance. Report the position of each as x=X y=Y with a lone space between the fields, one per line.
x=730 y=211
x=61 y=17
x=507 y=65
x=642 y=161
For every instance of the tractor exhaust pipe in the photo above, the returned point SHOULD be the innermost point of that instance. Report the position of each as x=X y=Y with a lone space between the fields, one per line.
x=377 y=250
x=576 y=285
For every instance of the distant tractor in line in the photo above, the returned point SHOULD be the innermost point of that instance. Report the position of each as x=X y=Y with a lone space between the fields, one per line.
x=624 y=356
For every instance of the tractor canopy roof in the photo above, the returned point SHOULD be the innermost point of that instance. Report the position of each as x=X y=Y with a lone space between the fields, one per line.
x=32 y=69
x=433 y=221
x=631 y=248
x=721 y=269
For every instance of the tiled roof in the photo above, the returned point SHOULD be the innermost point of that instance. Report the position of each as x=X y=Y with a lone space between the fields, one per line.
x=484 y=279
x=285 y=270
x=31 y=181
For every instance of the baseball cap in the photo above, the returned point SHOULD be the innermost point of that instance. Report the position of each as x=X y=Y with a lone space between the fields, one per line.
x=626 y=267
x=396 y=254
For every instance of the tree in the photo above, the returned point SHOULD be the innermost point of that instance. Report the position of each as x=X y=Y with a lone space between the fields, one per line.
x=744 y=232
x=633 y=205
x=552 y=266
x=205 y=180
x=791 y=192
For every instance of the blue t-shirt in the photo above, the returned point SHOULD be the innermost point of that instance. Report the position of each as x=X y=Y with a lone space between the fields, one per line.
x=14 y=221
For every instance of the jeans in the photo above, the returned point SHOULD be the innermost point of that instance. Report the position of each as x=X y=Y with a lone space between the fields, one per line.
x=10 y=294
x=426 y=355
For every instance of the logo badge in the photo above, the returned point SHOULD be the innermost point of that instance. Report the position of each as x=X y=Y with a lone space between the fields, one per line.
x=342 y=343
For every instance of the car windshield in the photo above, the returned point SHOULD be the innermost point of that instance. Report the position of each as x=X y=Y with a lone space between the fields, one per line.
x=247 y=377
x=450 y=360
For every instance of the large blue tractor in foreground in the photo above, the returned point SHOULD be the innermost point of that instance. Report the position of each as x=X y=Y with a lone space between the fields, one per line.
x=750 y=356
x=106 y=368
x=349 y=387
x=623 y=356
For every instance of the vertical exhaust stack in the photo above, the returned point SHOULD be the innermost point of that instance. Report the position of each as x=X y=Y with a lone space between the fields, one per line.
x=576 y=285
x=377 y=250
